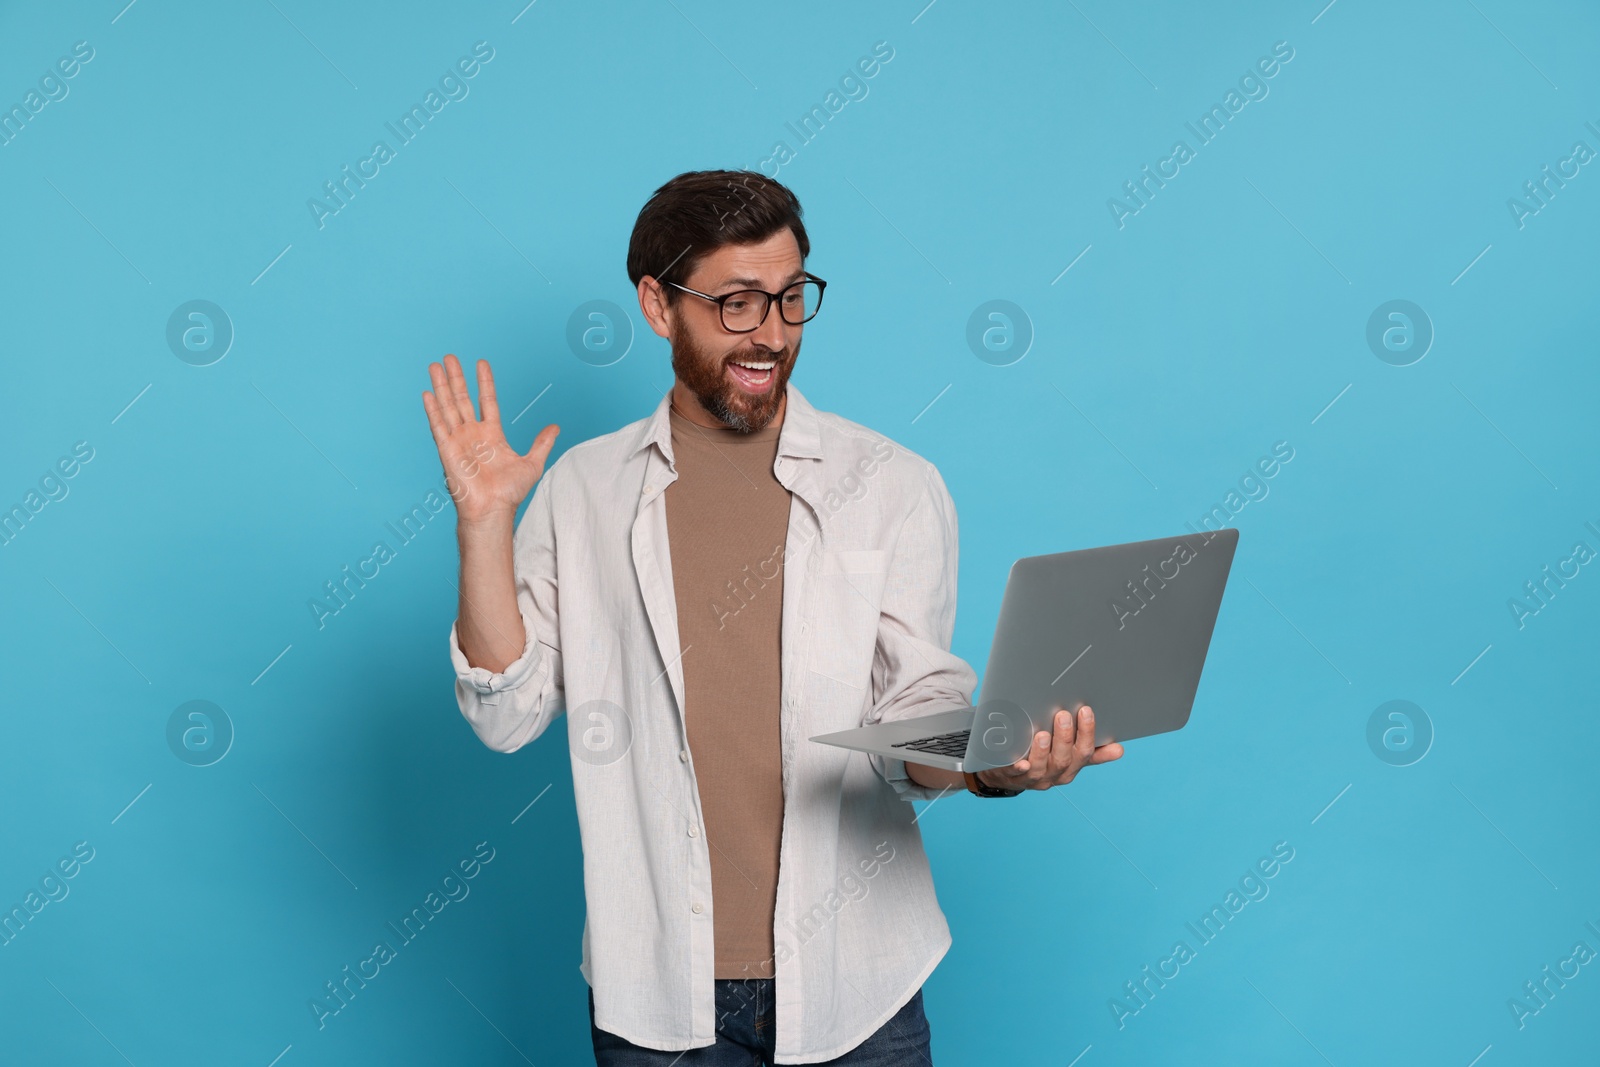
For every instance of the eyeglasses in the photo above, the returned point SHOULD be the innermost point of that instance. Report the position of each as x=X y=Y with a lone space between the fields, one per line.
x=745 y=310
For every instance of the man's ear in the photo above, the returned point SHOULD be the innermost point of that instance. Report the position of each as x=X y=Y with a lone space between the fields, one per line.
x=653 y=306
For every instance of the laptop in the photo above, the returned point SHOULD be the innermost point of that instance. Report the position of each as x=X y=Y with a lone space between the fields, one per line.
x=1121 y=628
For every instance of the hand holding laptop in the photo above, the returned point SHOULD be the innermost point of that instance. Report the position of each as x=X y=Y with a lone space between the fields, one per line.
x=1126 y=626
x=1055 y=759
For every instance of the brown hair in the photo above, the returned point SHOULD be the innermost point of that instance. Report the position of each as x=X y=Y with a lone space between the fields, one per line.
x=698 y=212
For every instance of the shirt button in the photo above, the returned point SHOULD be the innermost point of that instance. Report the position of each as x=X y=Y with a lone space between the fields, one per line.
x=694 y=831
x=683 y=756
x=647 y=488
x=698 y=908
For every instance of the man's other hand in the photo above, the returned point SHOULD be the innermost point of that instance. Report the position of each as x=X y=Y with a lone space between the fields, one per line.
x=1055 y=759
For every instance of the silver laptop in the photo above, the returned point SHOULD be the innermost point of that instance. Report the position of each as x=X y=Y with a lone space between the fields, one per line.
x=1123 y=629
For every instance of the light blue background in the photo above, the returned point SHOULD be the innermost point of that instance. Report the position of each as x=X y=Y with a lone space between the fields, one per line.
x=1228 y=314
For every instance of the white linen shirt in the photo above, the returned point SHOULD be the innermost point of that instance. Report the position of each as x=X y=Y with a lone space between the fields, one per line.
x=869 y=601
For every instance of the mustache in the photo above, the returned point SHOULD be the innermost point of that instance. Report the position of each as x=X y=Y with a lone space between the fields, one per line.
x=760 y=355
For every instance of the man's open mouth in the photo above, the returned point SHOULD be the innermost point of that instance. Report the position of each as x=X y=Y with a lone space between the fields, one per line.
x=753 y=375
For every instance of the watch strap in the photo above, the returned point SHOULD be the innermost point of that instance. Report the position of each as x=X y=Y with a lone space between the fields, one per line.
x=978 y=788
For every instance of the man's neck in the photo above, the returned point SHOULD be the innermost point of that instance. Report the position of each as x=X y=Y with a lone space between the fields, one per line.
x=688 y=405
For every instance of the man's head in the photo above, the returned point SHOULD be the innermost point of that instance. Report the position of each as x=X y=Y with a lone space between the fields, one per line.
x=718 y=232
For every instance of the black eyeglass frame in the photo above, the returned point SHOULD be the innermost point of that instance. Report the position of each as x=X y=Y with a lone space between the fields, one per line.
x=772 y=298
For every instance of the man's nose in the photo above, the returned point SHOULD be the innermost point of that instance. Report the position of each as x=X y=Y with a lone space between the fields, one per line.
x=773 y=331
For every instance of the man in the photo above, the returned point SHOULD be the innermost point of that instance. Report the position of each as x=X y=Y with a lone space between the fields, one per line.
x=701 y=591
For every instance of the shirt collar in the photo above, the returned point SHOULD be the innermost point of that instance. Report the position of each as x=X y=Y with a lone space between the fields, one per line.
x=800 y=435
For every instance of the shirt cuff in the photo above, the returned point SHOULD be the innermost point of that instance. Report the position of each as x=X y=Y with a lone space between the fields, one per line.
x=894 y=772
x=486 y=681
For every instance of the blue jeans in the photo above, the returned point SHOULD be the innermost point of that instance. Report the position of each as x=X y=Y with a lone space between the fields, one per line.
x=747 y=1030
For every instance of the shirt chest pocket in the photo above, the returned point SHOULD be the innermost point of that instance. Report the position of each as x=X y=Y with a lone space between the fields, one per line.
x=844 y=624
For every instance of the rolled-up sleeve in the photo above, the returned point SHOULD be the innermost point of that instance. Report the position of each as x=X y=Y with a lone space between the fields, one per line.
x=913 y=671
x=509 y=708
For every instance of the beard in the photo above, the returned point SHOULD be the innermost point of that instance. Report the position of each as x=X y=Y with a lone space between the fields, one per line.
x=705 y=374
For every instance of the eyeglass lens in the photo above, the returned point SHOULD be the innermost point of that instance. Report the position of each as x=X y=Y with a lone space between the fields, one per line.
x=745 y=310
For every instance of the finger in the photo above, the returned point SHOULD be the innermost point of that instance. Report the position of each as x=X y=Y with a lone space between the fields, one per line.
x=435 y=420
x=1035 y=759
x=1061 y=743
x=543 y=443
x=441 y=397
x=486 y=398
x=1038 y=758
x=1085 y=744
x=459 y=396
x=1107 y=753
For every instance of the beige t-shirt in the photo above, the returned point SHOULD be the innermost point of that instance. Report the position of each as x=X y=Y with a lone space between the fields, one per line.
x=727 y=520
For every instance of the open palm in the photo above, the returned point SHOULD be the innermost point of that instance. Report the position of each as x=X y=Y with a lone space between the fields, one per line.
x=485 y=475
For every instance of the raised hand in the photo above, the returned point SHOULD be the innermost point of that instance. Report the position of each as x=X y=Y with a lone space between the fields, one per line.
x=487 y=479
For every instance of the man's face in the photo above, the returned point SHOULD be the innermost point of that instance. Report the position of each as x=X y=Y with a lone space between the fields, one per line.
x=709 y=360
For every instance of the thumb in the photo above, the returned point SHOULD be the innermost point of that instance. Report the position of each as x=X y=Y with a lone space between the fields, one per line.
x=539 y=451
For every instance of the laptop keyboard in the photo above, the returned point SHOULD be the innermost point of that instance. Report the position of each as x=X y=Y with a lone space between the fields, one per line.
x=950 y=744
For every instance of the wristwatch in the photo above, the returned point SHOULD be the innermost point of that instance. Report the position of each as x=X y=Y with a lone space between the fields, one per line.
x=978 y=788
